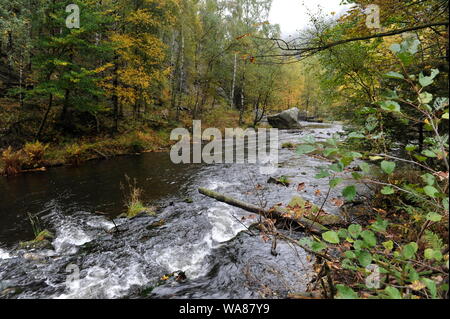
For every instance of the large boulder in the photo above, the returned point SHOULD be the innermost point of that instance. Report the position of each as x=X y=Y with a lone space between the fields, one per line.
x=286 y=120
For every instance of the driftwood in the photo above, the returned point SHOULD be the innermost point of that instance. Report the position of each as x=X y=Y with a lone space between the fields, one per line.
x=274 y=213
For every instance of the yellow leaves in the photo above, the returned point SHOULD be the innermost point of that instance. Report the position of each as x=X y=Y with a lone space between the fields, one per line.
x=103 y=68
x=165 y=277
x=417 y=285
x=243 y=36
x=123 y=41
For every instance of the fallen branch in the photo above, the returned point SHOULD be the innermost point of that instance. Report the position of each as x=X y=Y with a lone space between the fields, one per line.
x=275 y=213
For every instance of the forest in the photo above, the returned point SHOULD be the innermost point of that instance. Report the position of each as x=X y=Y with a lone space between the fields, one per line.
x=368 y=165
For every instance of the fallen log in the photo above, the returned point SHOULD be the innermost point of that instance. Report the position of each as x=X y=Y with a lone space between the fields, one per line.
x=275 y=213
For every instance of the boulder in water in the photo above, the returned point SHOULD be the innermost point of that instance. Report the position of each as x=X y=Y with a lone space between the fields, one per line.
x=288 y=119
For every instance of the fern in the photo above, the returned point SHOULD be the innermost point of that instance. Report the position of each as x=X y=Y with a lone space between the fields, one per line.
x=433 y=240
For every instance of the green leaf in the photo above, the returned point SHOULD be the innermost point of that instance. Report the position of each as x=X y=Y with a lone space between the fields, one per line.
x=356 y=135
x=306 y=242
x=411 y=148
x=429 y=179
x=354 y=230
x=388 y=167
x=365 y=167
x=445 y=116
x=434 y=217
x=431 y=191
x=350 y=254
x=330 y=151
x=387 y=190
x=354 y=154
x=359 y=244
x=409 y=250
x=406 y=57
x=390 y=106
x=394 y=75
x=343 y=233
x=425 y=97
x=389 y=245
x=429 y=153
x=431 y=285
x=428 y=80
x=420 y=158
x=393 y=293
x=322 y=174
x=335 y=182
x=349 y=192
x=369 y=238
x=337 y=167
x=380 y=225
x=344 y=292
x=445 y=203
x=433 y=254
x=331 y=237
x=364 y=258
x=318 y=246
x=305 y=149
x=348 y=264
x=331 y=141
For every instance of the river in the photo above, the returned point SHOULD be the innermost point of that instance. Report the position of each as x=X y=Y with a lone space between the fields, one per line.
x=205 y=239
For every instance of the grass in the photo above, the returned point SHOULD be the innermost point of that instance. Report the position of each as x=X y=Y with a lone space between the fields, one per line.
x=133 y=202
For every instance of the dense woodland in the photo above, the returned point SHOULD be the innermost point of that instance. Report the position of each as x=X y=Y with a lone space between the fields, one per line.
x=136 y=63
x=137 y=68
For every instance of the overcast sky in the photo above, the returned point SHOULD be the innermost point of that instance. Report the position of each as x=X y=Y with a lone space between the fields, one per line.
x=291 y=15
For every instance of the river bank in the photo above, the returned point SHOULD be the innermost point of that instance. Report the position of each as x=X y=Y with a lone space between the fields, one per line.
x=39 y=156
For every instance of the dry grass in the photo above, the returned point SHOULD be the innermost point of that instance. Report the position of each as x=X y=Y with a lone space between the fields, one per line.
x=12 y=161
x=35 y=153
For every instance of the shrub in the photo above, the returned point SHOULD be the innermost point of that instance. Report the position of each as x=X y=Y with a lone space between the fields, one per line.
x=74 y=154
x=138 y=143
x=13 y=161
x=35 y=153
x=401 y=251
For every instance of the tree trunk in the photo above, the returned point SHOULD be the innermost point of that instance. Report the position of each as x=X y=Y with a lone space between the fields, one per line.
x=115 y=97
x=41 y=127
x=233 y=84
x=275 y=213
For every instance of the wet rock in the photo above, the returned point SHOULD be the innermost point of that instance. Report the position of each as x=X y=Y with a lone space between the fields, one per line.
x=10 y=292
x=34 y=257
x=283 y=181
x=288 y=119
x=156 y=224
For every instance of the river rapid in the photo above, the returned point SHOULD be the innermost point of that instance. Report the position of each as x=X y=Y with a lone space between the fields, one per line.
x=206 y=243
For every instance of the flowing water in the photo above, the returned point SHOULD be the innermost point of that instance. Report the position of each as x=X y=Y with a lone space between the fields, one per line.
x=207 y=240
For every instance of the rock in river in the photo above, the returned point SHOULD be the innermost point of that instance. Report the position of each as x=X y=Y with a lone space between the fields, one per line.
x=288 y=119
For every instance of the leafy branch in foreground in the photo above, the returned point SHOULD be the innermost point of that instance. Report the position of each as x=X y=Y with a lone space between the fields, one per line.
x=400 y=252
